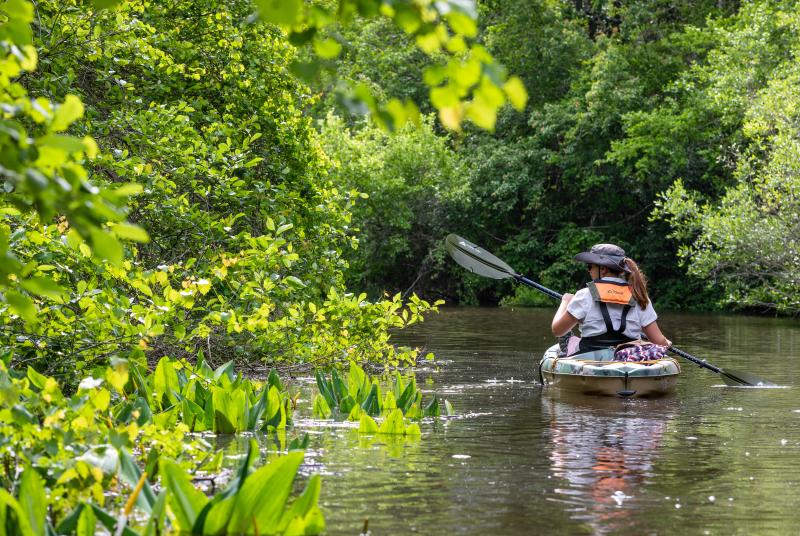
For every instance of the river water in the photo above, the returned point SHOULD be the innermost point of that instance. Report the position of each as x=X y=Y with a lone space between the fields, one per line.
x=522 y=459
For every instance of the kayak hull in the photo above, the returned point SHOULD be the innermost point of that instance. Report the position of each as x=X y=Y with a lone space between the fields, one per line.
x=598 y=374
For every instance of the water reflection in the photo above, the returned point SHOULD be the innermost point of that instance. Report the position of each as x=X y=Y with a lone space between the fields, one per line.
x=604 y=450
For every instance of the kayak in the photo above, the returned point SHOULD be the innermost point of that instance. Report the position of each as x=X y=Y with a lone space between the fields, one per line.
x=596 y=373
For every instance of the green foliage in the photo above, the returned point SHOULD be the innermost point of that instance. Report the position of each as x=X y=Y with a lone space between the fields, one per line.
x=44 y=171
x=358 y=398
x=255 y=502
x=229 y=180
x=744 y=240
x=465 y=82
x=70 y=458
x=204 y=399
x=413 y=183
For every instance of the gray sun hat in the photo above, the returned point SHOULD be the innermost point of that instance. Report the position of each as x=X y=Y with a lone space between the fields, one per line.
x=607 y=255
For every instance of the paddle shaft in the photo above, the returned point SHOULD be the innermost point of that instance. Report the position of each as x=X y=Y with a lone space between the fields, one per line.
x=553 y=294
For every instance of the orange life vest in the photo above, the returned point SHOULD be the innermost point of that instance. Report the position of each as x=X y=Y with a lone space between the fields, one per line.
x=611 y=292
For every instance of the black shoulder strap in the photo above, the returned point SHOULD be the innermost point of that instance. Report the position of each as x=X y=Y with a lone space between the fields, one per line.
x=607 y=319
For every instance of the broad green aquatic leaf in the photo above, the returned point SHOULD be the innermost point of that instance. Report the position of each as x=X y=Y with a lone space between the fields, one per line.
x=225 y=370
x=372 y=403
x=185 y=500
x=393 y=424
x=407 y=398
x=275 y=414
x=263 y=497
x=355 y=413
x=357 y=382
x=340 y=390
x=87 y=523
x=165 y=382
x=448 y=407
x=32 y=499
x=413 y=430
x=367 y=425
x=432 y=409
x=321 y=408
x=22 y=526
x=303 y=506
x=347 y=404
x=155 y=522
x=389 y=402
x=325 y=389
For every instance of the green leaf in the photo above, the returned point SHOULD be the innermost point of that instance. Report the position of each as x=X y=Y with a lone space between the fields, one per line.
x=304 y=506
x=66 y=113
x=294 y=282
x=280 y=12
x=184 y=499
x=32 y=499
x=393 y=424
x=106 y=246
x=262 y=498
x=105 y=4
x=23 y=527
x=327 y=48
x=321 y=408
x=38 y=380
x=22 y=306
x=367 y=425
x=128 y=231
x=43 y=286
x=87 y=523
x=516 y=92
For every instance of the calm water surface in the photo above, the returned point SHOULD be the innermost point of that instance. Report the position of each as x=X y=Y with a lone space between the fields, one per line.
x=523 y=459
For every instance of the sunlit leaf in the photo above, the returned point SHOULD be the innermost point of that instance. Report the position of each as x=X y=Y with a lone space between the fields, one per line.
x=43 y=286
x=66 y=113
x=517 y=94
x=129 y=231
x=106 y=246
x=281 y=12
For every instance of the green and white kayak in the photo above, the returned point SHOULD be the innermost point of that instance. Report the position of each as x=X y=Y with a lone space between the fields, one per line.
x=596 y=373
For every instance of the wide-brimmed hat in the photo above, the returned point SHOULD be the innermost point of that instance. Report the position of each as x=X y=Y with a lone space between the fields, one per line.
x=607 y=255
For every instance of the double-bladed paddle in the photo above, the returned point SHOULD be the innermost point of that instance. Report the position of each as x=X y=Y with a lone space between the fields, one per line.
x=479 y=261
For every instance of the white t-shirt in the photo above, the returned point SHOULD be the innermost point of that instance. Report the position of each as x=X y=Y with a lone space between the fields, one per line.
x=587 y=311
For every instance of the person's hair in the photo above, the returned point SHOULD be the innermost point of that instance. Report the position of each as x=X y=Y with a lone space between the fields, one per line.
x=638 y=283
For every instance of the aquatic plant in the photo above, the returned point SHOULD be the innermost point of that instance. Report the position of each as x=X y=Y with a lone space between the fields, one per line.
x=204 y=399
x=360 y=396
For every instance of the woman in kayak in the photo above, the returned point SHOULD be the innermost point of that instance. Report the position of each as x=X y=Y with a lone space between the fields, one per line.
x=614 y=308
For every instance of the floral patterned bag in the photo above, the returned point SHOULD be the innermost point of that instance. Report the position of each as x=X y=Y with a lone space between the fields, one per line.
x=639 y=350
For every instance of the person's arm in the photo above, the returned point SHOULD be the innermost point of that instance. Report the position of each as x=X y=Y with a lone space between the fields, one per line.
x=563 y=322
x=654 y=335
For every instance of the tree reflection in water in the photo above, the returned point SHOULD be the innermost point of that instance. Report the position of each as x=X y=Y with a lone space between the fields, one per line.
x=604 y=449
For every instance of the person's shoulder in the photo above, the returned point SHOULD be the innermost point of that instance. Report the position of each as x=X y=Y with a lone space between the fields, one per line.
x=582 y=291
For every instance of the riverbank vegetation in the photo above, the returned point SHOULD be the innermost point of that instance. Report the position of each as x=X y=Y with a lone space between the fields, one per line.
x=664 y=127
x=197 y=188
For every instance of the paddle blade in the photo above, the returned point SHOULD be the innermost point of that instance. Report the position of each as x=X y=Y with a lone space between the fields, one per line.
x=475 y=259
x=736 y=378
